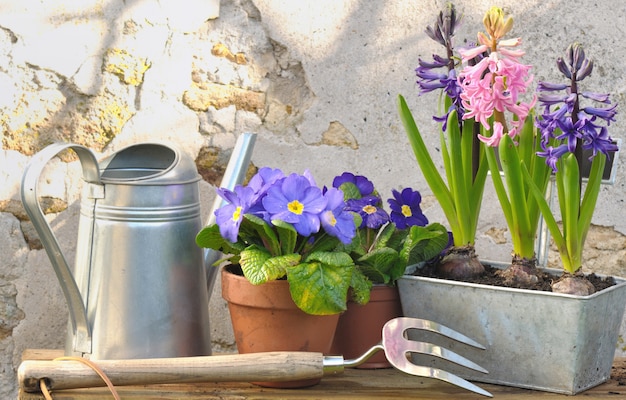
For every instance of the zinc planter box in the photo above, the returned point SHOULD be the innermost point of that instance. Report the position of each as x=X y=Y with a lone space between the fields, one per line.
x=535 y=340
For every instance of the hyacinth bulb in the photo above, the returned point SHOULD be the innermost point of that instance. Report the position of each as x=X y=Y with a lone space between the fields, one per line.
x=460 y=263
x=522 y=273
x=576 y=285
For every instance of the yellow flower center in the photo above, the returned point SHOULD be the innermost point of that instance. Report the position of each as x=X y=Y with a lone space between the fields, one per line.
x=332 y=220
x=295 y=207
x=237 y=214
x=369 y=209
x=406 y=211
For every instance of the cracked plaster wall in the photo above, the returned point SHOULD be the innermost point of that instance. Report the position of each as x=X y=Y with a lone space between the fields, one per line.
x=317 y=80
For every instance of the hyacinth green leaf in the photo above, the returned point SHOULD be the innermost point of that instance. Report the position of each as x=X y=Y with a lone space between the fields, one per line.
x=259 y=266
x=424 y=243
x=256 y=228
x=588 y=204
x=360 y=288
x=287 y=236
x=376 y=264
x=569 y=177
x=318 y=288
x=549 y=219
x=350 y=191
x=521 y=230
x=472 y=147
x=427 y=166
x=456 y=177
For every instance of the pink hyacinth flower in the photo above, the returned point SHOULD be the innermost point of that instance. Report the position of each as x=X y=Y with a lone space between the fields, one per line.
x=494 y=84
x=496 y=136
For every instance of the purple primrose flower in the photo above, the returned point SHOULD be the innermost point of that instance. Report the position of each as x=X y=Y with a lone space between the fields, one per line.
x=365 y=186
x=296 y=201
x=229 y=216
x=335 y=220
x=405 y=209
x=371 y=211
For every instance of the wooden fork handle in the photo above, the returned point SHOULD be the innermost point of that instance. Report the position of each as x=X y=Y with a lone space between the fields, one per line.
x=254 y=367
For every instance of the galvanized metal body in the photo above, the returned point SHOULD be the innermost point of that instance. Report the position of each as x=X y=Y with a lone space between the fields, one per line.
x=536 y=340
x=138 y=270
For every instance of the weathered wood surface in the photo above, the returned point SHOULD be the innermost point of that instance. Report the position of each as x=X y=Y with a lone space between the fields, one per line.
x=352 y=384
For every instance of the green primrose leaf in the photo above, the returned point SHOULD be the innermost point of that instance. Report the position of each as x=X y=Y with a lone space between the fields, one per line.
x=259 y=266
x=318 y=288
x=287 y=236
x=209 y=237
x=424 y=243
x=261 y=229
x=385 y=235
x=350 y=191
x=360 y=288
x=332 y=258
x=376 y=264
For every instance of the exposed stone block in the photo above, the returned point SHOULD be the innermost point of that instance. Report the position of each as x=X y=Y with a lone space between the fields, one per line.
x=128 y=68
x=200 y=98
x=338 y=135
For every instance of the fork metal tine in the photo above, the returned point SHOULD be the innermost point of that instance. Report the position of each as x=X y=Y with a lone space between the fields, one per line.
x=427 y=372
x=438 y=351
x=398 y=348
x=404 y=323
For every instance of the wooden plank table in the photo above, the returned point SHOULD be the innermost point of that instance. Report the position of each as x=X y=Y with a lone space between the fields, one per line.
x=352 y=384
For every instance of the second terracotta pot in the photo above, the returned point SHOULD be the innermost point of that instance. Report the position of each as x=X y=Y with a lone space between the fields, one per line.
x=265 y=318
x=360 y=327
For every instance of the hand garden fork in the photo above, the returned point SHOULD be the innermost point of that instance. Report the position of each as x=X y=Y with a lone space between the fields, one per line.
x=270 y=366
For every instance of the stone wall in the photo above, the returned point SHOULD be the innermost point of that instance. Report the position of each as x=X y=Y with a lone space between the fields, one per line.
x=316 y=80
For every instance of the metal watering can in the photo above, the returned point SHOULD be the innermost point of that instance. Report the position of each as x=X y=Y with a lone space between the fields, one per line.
x=138 y=288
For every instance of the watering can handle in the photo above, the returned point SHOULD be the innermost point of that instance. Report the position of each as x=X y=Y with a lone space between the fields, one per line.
x=91 y=174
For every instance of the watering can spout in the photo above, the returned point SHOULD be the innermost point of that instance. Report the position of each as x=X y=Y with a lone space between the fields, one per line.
x=235 y=174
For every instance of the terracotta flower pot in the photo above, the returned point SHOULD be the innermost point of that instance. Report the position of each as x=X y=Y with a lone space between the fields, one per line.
x=360 y=326
x=265 y=318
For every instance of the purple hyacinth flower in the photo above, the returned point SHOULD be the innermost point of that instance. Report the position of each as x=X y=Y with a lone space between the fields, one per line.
x=598 y=140
x=405 y=209
x=552 y=155
x=335 y=220
x=365 y=186
x=229 y=216
x=371 y=211
x=294 y=200
x=607 y=114
x=569 y=133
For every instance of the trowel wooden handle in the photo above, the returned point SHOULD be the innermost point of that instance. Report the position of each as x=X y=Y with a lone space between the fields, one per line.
x=255 y=367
